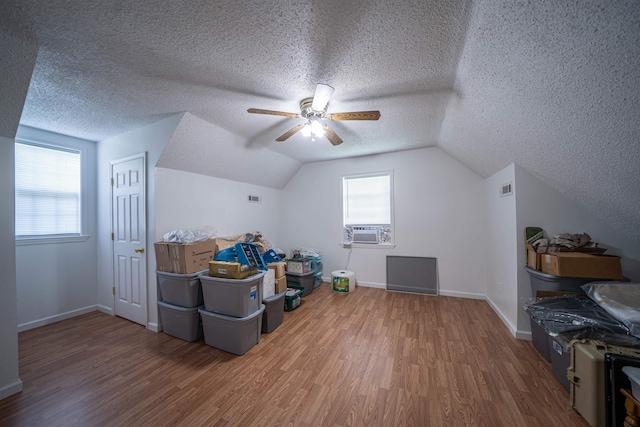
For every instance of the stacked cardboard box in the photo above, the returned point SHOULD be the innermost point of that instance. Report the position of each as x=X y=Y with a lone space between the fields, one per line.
x=280 y=276
x=184 y=258
x=230 y=270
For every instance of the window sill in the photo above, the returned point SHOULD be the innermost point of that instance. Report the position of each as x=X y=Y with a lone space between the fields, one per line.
x=367 y=245
x=48 y=240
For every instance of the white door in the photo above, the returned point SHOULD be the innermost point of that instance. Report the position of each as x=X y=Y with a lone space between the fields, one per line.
x=128 y=213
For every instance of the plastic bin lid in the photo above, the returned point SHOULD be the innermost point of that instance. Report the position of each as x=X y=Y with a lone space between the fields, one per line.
x=177 y=307
x=166 y=273
x=551 y=277
x=293 y=273
x=205 y=276
x=231 y=318
x=275 y=297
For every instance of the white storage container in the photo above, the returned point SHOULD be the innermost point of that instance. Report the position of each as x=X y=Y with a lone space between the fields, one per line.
x=232 y=334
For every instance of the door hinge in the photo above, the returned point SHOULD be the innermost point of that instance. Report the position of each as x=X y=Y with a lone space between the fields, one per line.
x=112 y=236
x=113 y=291
x=112 y=182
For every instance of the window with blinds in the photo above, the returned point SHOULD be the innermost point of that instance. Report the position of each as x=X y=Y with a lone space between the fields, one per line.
x=48 y=191
x=366 y=199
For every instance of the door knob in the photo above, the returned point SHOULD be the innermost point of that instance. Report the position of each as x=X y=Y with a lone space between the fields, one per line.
x=139 y=250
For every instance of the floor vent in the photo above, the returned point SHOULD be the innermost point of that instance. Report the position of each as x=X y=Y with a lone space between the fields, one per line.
x=412 y=274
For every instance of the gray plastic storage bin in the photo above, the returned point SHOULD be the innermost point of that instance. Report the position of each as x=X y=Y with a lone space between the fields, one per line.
x=273 y=312
x=548 y=282
x=303 y=280
x=180 y=322
x=560 y=351
x=180 y=289
x=232 y=297
x=232 y=334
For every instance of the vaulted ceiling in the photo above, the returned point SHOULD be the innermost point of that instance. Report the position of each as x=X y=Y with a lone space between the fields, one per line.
x=552 y=86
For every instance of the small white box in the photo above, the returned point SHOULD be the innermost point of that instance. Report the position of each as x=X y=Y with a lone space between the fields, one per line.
x=269 y=284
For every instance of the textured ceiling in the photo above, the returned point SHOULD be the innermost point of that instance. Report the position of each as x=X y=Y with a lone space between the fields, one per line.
x=553 y=86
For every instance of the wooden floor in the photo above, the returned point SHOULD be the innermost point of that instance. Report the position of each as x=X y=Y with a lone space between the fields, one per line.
x=371 y=358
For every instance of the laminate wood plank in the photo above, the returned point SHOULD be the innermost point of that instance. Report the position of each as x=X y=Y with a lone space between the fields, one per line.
x=371 y=358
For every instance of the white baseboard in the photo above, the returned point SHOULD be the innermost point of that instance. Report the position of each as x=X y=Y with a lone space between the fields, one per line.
x=105 y=309
x=457 y=294
x=524 y=335
x=154 y=327
x=359 y=283
x=55 y=318
x=11 y=389
x=502 y=317
x=370 y=285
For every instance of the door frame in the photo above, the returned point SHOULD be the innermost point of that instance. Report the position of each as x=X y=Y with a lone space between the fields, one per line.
x=143 y=156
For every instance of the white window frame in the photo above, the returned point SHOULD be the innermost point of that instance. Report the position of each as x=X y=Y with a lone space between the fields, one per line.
x=379 y=245
x=83 y=236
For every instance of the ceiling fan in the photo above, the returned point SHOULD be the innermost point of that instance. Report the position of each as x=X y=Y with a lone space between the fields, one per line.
x=315 y=109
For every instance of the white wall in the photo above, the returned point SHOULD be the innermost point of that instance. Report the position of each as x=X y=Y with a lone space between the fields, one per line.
x=540 y=205
x=150 y=139
x=186 y=200
x=500 y=246
x=439 y=212
x=9 y=381
x=56 y=281
x=18 y=60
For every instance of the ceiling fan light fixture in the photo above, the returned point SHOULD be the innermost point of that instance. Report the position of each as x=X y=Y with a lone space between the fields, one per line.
x=314 y=109
x=316 y=128
x=306 y=130
x=313 y=129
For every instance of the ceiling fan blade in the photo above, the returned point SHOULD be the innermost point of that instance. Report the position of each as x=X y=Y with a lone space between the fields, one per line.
x=331 y=135
x=321 y=97
x=355 y=115
x=290 y=132
x=271 y=112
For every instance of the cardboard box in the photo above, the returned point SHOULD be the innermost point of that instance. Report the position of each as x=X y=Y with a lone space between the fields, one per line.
x=184 y=259
x=281 y=284
x=578 y=264
x=533 y=258
x=230 y=270
x=300 y=265
x=227 y=242
x=278 y=267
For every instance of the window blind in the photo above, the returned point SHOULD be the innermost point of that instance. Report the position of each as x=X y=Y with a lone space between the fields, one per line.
x=47 y=191
x=367 y=199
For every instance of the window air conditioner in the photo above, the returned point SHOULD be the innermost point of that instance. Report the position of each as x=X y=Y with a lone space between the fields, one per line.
x=366 y=234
